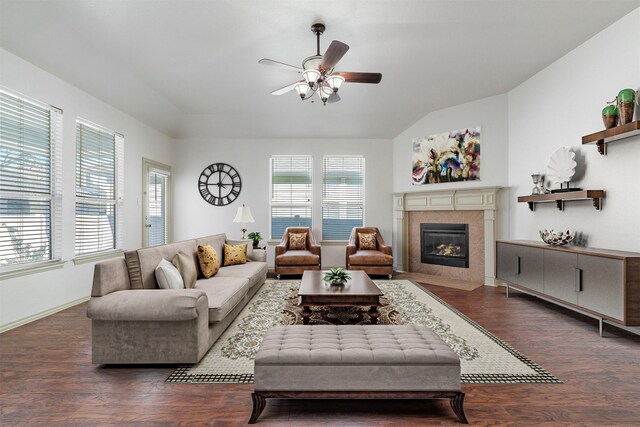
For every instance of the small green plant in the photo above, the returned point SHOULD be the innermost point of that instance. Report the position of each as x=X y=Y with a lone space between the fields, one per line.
x=256 y=237
x=336 y=276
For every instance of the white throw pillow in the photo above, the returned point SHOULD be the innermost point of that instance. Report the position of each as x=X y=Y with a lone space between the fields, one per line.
x=168 y=276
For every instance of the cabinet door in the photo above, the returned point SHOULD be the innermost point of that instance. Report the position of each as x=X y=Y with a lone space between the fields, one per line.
x=530 y=273
x=560 y=275
x=506 y=262
x=602 y=285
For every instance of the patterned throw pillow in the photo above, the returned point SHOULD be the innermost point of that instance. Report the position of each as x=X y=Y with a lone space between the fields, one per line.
x=209 y=262
x=297 y=241
x=367 y=241
x=235 y=254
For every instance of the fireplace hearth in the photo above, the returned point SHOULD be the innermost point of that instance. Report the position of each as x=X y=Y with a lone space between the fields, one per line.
x=445 y=244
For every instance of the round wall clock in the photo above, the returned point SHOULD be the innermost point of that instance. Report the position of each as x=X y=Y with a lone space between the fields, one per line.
x=219 y=184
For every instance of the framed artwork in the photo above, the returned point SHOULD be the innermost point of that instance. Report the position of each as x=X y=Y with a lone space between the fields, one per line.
x=446 y=157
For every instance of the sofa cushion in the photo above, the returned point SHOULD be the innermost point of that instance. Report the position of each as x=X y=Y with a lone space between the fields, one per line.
x=209 y=260
x=142 y=262
x=148 y=305
x=367 y=241
x=217 y=241
x=297 y=241
x=168 y=276
x=187 y=268
x=370 y=258
x=297 y=258
x=254 y=271
x=224 y=293
x=235 y=254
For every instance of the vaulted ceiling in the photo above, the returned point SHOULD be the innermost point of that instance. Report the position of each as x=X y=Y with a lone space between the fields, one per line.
x=190 y=68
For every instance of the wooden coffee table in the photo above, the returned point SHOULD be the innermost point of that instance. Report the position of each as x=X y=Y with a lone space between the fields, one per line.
x=360 y=290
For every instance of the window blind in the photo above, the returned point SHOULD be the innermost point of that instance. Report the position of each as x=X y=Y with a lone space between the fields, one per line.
x=157 y=193
x=30 y=169
x=291 y=193
x=342 y=196
x=99 y=158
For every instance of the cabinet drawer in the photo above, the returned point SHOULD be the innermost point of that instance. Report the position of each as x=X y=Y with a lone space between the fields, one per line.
x=602 y=285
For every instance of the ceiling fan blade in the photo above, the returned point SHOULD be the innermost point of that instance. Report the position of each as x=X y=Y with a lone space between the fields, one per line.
x=355 y=77
x=285 y=89
x=333 y=98
x=334 y=54
x=271 y=62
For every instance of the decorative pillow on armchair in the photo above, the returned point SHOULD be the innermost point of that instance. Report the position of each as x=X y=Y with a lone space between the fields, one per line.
x=367 y=241
x=297 y=241
x=209 y=262
x=235 y=254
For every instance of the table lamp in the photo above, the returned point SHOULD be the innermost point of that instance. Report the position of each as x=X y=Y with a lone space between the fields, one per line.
x=244 y=216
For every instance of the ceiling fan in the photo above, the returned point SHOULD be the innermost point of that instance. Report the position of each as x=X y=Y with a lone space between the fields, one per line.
x=318 y=72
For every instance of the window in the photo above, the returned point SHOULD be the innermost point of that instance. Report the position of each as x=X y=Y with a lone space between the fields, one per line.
x=99 y=186
x=291 y=188
x=342 y=196
x=30 y=191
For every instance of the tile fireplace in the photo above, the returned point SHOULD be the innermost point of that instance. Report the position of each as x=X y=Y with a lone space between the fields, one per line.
x=444 y=244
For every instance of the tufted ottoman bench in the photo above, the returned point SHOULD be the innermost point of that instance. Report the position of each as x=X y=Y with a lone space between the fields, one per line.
x=356 y=362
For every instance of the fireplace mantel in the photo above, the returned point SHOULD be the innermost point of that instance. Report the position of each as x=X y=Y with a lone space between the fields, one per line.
x=473 y=199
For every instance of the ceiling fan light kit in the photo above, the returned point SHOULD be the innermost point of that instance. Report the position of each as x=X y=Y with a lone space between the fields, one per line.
x=317 y=72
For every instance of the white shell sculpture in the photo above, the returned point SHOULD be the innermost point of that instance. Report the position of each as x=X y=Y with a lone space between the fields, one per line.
x=562 y=166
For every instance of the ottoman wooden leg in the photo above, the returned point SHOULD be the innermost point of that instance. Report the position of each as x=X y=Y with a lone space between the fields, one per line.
x=457 y=406
x=306 y=314
x=374 y=313
x=259 y=403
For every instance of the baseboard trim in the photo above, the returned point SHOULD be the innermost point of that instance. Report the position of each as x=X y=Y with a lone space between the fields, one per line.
x=42 y=314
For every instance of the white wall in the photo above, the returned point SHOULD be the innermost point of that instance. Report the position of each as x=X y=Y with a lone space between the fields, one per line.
x=29 y=295
x=558 y=106
x=193 y=217
x=490 y=113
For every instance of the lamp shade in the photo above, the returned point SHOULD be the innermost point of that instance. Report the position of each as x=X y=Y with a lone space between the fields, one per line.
x=244 y=215
x=302 y=89
x=335 y=82
x=311 y=76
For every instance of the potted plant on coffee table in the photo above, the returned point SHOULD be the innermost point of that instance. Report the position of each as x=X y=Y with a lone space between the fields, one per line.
x=256 y=237
x=337 y=276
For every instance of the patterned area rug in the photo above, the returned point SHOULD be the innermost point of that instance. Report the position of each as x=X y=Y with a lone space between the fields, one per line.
x=484 y=357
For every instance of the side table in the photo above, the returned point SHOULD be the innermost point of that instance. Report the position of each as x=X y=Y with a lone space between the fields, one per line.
x=260 y=254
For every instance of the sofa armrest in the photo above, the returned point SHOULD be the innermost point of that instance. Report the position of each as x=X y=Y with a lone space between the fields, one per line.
x=149 y=305
x=281 y=248
x=315 y=249
x=350 y=250
x=385 y=249
x=110 y=276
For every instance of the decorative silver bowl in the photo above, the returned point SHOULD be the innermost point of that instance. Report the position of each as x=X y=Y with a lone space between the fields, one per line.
x=557 y=238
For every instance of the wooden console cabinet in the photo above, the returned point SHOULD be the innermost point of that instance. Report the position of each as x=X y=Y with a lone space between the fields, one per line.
x=600 y=283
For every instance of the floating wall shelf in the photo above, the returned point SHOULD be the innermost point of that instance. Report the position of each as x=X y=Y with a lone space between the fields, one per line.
x=560 y=198
x=602 y=138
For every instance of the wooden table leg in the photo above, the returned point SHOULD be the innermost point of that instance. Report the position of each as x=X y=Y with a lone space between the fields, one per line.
x=306 y=314
x=374 y=313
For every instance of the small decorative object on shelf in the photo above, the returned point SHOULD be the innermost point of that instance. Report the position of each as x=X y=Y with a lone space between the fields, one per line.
x=557 y=238
x=336 y=276
x=561 y=169
x=626 y=100
x=256 y=237
x=537 y=181
x=610 y=116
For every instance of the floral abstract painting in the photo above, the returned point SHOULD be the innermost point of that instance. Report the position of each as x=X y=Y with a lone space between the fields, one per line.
x=447 y=157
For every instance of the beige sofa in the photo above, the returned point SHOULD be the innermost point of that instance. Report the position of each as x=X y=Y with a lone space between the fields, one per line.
x=133 y=321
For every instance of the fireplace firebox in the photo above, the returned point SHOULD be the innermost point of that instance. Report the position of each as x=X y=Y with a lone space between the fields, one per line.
x=445 y=244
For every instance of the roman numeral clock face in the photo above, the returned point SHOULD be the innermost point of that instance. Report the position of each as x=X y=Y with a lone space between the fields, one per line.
x=219 y=184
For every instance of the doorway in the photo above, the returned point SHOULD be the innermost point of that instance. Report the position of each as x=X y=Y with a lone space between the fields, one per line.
x=156 y=203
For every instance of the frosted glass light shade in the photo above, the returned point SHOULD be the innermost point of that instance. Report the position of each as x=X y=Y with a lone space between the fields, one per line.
x=302 y=89
x=311 y=76
x=244 y=215
x=335 y=82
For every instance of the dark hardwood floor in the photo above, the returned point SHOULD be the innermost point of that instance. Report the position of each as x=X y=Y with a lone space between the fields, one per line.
x=46 y=378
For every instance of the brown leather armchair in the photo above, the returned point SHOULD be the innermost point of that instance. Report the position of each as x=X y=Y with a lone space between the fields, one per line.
x=297 y=261
x=378 y=261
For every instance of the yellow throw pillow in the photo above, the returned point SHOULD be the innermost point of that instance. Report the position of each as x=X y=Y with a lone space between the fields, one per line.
x=209 y=262
x=235 y=254
x=367 y=241
x=297 y=241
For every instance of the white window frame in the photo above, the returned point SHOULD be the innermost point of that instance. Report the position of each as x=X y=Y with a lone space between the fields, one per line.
x=309 y=204
x=117 y=202
x=324 y=203
x=54 y=197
